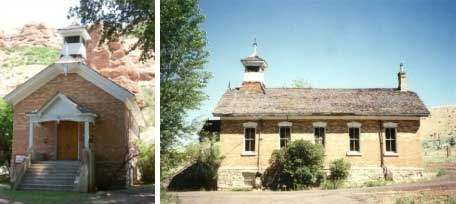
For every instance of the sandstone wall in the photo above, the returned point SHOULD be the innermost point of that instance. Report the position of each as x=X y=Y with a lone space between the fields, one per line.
x=337 y=146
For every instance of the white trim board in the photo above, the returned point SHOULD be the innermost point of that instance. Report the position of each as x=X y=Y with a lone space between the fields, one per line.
x=323 y=118
x=56 y=69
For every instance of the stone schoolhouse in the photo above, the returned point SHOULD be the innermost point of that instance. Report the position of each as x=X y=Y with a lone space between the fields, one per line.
x=375 y=129
x=73 y=128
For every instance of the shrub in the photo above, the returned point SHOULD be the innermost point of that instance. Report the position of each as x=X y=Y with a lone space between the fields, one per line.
x=375 y=182
x=6 y=133
x=441 y=172
x=297 y=166
x=339 y=171
x=405 y=200
x=452 y=141
x=202 y=173
x=146 y=162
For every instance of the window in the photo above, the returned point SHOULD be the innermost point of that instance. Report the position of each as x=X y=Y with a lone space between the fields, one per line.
x=354 y=139
x=72 y=39
x=319 y=133
x=285 y=136
x=249 y=139
x=390 y=139
x=252 y=69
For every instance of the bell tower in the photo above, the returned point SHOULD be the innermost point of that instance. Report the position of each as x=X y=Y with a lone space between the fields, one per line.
x=254 y=68
x=74 y=41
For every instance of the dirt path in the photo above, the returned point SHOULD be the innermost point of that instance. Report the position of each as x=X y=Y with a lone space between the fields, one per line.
x=346 y=196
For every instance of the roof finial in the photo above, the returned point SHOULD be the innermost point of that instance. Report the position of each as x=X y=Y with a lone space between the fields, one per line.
x=255 y=44
x=401 y=67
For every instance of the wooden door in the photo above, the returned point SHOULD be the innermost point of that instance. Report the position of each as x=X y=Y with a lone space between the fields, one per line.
x=67 y=147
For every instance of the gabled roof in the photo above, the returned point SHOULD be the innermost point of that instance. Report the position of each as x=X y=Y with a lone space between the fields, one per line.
x=61 y=107
x=56 y=69
x=321 y=102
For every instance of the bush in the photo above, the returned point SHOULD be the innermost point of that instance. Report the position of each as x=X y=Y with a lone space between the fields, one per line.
x=441 y=172
x=452 y=141
x=6 y=133
x=339 y=171
x=297 y=166
x=202 y=173
x=375 y=182
x=146 y=162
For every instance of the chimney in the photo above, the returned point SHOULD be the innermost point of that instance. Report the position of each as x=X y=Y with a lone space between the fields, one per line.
x=254 y=68
x=74 y=41
x=401 y=78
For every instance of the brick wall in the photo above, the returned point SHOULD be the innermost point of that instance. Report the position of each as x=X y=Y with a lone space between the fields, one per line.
x=108 y=136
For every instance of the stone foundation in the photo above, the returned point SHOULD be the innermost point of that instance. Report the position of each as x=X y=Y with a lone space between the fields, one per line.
x=236 y=178
x=230 y=178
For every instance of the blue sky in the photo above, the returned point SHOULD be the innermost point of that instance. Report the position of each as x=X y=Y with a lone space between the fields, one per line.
x=332 y=43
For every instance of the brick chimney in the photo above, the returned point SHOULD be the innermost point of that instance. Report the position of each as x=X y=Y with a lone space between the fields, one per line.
x=401 y=78
x=254 y=67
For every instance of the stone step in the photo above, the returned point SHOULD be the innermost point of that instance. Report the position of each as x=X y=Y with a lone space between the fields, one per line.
x=49 y=180
x=40 y=166
x=51 y=173
x=50 y=176
x=46 y=187
x=54 y=170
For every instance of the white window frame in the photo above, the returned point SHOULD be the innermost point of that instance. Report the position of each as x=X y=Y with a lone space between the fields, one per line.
x=320 y=125
x=354 y=125
x=284 y=124
x=249 y=125
x=394 y=126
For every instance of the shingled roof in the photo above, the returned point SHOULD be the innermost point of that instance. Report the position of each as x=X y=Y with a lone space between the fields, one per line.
x=321 y=102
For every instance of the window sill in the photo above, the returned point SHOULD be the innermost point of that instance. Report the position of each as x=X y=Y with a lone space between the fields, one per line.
x=390 y=154
x=248 y=154
x=351 y=153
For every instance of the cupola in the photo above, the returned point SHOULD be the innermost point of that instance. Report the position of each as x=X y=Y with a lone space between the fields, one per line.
x=74 y=41
x=254 y=67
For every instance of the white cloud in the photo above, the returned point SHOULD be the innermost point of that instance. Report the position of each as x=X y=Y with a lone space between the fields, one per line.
x=15 y=13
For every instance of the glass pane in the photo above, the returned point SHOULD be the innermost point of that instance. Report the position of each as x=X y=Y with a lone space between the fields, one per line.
x=393 y=145
x=252 y=145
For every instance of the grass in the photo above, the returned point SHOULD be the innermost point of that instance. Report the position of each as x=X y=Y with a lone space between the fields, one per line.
x=29 y=55
x=38 y=197
x=239 y=189
x=427 y=199
x=375 y=182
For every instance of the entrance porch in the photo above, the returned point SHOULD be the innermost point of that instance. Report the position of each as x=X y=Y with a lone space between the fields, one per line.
x=59 y=130
x=59 y=155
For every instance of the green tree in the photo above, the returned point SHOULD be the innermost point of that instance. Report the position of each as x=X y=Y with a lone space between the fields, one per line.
x=301 y=83
x=6 y=133
x=182 y=76
x=120 y=18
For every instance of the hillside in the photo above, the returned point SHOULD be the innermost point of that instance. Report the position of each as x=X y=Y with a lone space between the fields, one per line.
x=442 y=121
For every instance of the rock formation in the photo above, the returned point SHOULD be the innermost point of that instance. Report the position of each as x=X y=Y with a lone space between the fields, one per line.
x=110 y=59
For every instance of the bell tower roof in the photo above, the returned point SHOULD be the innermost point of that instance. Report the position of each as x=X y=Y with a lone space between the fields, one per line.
x=254 y=60
x=74 y=41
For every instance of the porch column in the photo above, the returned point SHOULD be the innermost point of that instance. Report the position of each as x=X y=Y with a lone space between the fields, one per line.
x=30 y=147
x=86 y=134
